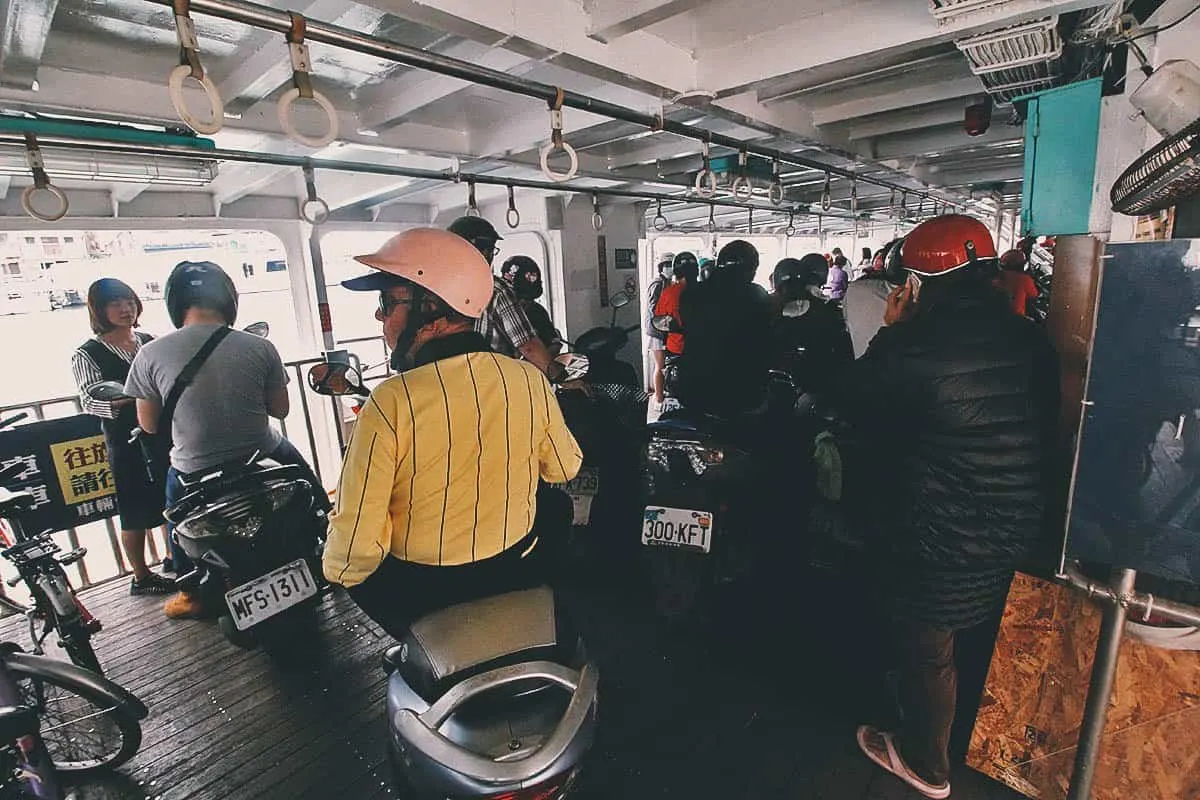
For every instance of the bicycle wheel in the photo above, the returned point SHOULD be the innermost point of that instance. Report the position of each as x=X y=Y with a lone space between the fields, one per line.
x=83 y=730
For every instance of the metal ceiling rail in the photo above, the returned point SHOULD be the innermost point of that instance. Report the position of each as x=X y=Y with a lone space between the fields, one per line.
x=302 y=162
x=281 y=22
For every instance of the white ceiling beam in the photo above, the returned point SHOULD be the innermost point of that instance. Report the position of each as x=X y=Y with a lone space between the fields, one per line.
x=127 y=192
x=612 y=19
x=24 y=28
x=974 y=177
x=263 y=65
x=241 y=180
x=392 y=100
x=636 y=60
x=920 y=94
x=533 y=127
x=791 y=119
x=941 y=140
x=5 y=183
x=907 y=120
x=879 y=25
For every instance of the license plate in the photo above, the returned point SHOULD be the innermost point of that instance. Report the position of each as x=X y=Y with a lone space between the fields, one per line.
x=677 y=527
x=585 y=484
x=266 y=596
x=582 y=489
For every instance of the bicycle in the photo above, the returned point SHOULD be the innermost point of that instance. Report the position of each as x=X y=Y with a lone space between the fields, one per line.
x=57 y=718
x=40 y=565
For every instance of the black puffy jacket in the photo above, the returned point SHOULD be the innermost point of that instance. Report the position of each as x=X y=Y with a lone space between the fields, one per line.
x=953 y=415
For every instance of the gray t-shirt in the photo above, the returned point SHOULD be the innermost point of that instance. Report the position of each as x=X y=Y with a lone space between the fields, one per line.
x=222 y=416
x=865 y=304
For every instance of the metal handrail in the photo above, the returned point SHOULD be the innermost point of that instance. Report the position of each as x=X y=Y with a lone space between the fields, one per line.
x=39 y=411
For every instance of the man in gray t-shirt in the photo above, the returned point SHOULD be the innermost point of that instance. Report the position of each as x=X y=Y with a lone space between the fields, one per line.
x=224 y=415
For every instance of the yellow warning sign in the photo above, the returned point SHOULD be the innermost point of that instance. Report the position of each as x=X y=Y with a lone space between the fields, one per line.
x=83 y=471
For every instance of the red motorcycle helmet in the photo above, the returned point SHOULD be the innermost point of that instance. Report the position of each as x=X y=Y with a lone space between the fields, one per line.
x=943 y=245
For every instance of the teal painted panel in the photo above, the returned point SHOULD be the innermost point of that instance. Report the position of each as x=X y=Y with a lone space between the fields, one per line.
x=1062 y=127
x=100 y=132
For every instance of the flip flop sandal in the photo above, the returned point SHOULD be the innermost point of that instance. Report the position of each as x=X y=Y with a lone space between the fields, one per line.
x=894 y=764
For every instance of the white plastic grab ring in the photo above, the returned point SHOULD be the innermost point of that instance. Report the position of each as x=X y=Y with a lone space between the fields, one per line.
x=703 y=176
x=775 y=193
x=660 y=223
x=559 y=177
x=175 y=87
x=742 y=188
x=513 y=218
x=597 y=221
x=288 y=99
x=59 y=195
x=314 y=211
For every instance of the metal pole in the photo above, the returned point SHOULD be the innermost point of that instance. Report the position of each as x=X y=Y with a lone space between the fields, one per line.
x=280 y=21
x=301 y=162
x=1104 y=671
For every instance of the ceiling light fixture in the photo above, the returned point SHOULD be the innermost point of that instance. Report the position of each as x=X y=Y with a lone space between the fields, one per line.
x=114 y=169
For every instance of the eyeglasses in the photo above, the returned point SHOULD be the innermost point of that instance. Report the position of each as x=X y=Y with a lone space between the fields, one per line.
x=388 y=304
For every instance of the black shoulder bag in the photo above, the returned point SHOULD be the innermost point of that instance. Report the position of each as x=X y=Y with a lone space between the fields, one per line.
x=156 y=448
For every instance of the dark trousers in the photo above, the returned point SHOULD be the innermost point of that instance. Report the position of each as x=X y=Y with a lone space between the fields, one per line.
x=928 y=684
x=401 y=592
x=286 y=453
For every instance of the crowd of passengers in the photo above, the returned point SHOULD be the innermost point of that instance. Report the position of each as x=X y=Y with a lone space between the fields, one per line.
x=926 y=355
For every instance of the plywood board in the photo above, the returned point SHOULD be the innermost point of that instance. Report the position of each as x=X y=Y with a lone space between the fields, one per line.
x=1028 y=723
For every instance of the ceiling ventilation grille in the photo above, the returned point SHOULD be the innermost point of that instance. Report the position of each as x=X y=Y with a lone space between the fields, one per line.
x=1018 y=60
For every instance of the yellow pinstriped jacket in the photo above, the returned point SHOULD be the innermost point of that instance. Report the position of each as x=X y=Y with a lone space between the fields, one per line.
x=444 y=463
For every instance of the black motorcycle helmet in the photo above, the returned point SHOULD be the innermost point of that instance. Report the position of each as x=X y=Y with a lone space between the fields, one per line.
x=738 y=259
x=793 y=276
x=686 y=266
x=479 y=232
x=200 y=284
x=525 y=276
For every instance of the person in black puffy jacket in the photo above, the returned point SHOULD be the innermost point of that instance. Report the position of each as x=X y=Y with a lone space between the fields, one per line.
x=959 y=467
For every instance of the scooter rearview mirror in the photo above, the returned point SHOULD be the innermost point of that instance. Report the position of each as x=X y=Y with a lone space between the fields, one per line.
x=335 y=380
x=575 y=367
x=262 y=329
x=620 y=300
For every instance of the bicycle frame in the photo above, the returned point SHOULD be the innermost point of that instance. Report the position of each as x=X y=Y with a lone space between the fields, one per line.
x=54 y=599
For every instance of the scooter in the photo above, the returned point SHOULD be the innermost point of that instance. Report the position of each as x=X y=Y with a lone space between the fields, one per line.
x=494 y=698
x=715 y=501
x=256 y=531
x=609 y=424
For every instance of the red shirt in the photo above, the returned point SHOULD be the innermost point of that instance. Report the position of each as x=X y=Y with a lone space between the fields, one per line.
x=668 y=305
x=1020 y=288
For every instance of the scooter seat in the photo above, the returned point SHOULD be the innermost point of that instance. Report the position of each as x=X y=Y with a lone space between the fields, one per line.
x=17 y=721
x=454 y=643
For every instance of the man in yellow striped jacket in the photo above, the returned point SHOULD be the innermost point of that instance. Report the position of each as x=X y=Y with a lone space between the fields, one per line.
x=438 y=498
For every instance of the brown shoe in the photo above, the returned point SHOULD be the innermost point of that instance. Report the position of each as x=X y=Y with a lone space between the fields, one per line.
x=184 y=606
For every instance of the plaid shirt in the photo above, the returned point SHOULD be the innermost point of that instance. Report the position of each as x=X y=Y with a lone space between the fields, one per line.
x=505 y=326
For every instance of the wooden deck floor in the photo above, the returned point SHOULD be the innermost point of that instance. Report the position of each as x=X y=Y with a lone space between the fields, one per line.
x=681 y=718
